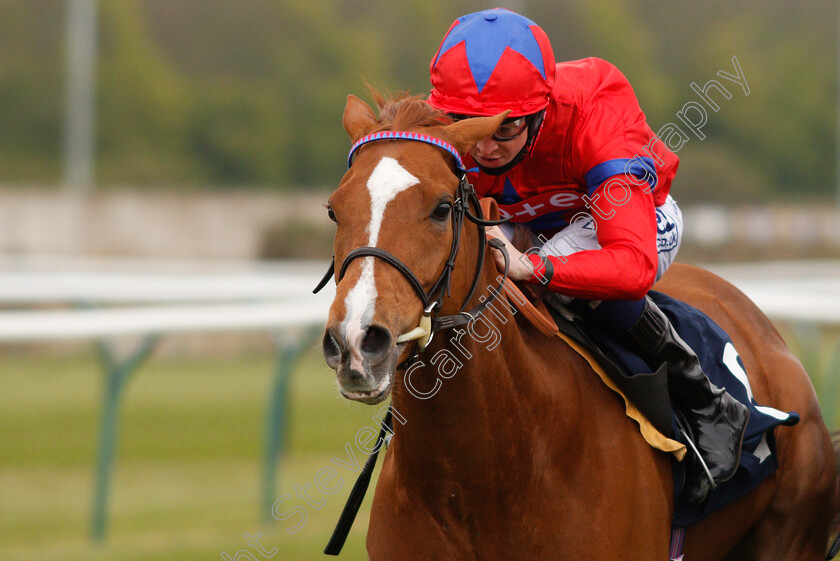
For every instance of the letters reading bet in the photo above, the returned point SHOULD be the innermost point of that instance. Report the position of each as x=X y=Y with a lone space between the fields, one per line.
x=694 y=117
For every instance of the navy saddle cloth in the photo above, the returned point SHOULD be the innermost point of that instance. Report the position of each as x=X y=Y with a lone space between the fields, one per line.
x=723 y=366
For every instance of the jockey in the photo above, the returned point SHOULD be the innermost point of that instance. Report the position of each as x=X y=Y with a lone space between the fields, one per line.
x=576 y=164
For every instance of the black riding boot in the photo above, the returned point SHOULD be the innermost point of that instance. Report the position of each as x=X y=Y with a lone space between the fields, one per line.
x=716 y=420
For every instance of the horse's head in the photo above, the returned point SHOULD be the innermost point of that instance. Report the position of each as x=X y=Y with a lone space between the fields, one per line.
x=394 y=207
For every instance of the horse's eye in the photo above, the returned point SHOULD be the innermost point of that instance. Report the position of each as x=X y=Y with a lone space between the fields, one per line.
x=442 y=211
x=331 y=214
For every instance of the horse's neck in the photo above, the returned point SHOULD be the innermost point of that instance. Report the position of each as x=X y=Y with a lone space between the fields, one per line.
x=483 y=395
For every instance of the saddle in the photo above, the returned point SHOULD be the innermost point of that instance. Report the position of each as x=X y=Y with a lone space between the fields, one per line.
x=645 y=393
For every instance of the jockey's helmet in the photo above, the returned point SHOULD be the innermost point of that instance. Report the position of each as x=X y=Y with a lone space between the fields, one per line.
x=492 y=61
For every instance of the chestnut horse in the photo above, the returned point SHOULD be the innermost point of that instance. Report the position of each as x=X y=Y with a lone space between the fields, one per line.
x=509 y=446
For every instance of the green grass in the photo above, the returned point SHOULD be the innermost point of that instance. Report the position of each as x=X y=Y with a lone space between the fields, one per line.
x=186 y=484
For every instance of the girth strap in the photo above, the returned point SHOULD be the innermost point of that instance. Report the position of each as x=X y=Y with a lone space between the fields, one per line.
x=834 y=549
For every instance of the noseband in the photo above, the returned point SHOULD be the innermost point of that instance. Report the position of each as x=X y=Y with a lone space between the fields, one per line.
x=464 y=199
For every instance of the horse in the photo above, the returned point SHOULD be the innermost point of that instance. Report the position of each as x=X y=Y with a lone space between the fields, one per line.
x=506 y=445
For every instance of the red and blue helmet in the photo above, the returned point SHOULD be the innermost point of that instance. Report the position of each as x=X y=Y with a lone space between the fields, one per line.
x=492 y=61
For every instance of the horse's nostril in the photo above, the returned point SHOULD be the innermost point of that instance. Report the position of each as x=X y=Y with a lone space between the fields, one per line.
x=377 y=340
x=332 y=350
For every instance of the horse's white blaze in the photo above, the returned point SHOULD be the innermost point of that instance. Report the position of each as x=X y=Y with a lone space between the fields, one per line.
x=388 y=179
x=359 y=304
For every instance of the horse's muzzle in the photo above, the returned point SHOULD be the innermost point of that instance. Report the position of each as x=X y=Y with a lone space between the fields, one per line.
x=364 y=366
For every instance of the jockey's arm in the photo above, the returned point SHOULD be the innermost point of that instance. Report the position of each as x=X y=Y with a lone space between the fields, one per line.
x=624 y=268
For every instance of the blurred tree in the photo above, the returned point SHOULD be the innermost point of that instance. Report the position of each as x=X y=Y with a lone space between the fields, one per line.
x=198 y=92
x=141 y=103
x=618 y=33
x=788 y=123
x=31 y=81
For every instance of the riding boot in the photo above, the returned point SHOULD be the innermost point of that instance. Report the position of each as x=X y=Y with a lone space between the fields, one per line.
x=715 y=419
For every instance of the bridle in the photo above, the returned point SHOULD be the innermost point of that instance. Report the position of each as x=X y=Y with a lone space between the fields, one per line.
x=432 y=299
x=465 y=199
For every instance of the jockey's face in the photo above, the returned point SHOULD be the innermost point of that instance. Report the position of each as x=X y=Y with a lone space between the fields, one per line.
x=492 y=153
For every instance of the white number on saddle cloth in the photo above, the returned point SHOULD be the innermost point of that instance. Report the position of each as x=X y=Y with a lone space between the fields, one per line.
x=730 y=359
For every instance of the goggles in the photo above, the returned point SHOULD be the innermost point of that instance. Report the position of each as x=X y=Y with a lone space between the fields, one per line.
x=510 y=129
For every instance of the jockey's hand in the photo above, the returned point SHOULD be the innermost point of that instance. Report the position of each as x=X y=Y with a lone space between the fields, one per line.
x=519 y=269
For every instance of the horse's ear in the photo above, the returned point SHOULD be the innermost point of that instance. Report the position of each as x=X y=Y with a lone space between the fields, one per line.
x=359 y=119
x=466 y=133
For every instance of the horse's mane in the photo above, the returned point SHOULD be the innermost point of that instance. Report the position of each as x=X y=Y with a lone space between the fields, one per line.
x=404 y=112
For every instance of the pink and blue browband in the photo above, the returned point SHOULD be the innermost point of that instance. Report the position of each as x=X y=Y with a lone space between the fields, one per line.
x=401 y=135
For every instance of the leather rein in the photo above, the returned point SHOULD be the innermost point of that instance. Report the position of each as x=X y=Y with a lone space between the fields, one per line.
x=465 y=199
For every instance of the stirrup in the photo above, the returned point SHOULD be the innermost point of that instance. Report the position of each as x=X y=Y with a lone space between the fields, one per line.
x=706 y=470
